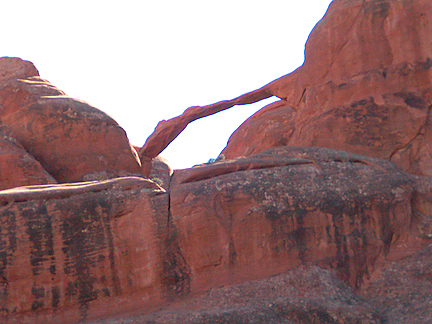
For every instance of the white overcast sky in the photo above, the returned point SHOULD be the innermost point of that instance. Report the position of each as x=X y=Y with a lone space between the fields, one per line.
x=144 y=61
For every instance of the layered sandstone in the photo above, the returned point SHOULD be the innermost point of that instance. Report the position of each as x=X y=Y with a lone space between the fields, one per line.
x=78 y=252
x=72 y=140
x=365 y=87
x=319 y=213
x=66 y=250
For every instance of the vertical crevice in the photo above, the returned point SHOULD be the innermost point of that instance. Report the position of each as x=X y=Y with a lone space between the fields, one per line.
x=302 y=97
x=175 y=275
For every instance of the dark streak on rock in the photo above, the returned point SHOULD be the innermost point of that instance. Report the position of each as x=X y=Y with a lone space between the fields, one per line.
x=8 y=242
x=335 y=192
x=39 y=230
x=379 y=8
x=412 y=100
x=175 y=276
x=55 y=292
x=83 y=230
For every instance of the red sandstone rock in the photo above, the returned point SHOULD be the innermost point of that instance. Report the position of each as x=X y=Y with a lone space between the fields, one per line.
x=292 y=234
x=271 y=126
x=403 y=289
x=77 y=252
x=297 y=206
x=365 y=87
x=71 y=139
x=67 y=250
x=305 y=295
x=15 y=68
x=18 y=167
x=161 y=172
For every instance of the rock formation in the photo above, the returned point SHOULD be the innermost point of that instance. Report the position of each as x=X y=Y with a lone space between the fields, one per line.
x=71 y=140
x=321 y=211
x=365 y=87
x=18 y=167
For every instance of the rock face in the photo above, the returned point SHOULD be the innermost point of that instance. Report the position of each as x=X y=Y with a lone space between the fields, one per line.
x=292 y=203
x=76 y=252
x=321 y=211
x=18 y=167
x=72 y=140
x=365 y=87
x=66 y=247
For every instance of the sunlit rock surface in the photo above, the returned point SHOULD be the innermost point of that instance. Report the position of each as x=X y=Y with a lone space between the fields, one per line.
x=365 y=87
x=72 y=140
x=319 y=210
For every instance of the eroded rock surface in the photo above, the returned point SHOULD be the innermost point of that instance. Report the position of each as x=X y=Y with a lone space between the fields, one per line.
x=365 y=87
x=305 y=295
x=18 y=167
x=80 y=252
x=67 y=250
x=72 y=140
x=321 y=211
x=287 y=207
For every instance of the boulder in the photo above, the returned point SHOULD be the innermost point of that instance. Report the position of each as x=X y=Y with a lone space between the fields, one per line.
x=18 y=167
x=72 y=140
x=271 y=126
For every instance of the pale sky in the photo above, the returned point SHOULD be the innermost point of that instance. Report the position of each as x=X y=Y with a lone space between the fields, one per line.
x=144 y=61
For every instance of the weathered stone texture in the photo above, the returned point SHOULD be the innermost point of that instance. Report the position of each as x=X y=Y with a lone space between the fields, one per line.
x=72 y=140
x=365 y=87
x=329 y=208
x=66 y=255
x=319 y=213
